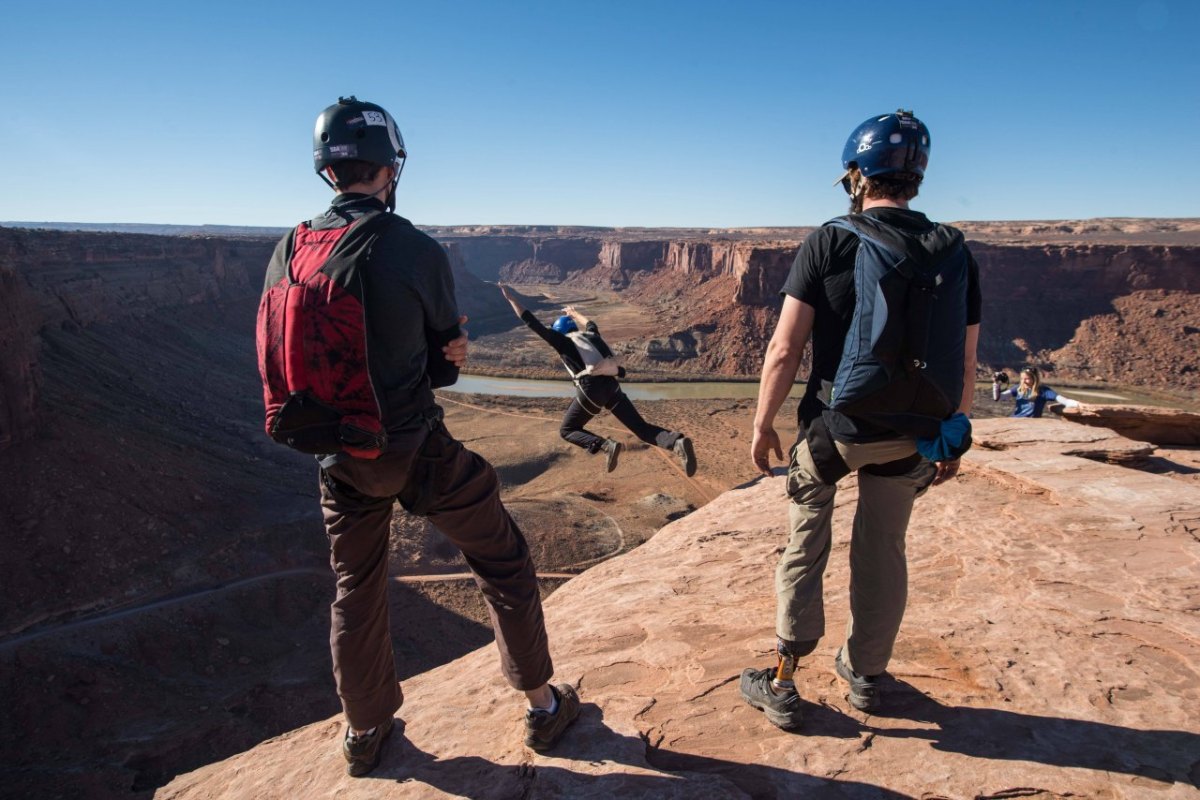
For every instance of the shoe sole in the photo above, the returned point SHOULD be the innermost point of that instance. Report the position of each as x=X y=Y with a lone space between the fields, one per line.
x=861 y=702
x=689 y=457
x=611 y=462
x=787 y=722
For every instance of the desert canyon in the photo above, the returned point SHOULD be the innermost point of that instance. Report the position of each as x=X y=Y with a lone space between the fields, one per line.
x=163 y=630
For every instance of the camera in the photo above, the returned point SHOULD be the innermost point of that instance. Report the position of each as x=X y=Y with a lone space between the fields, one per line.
x=1000 y=377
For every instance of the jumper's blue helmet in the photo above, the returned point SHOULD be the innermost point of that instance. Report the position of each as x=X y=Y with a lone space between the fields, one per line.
x=888 y=143
x=564 y=324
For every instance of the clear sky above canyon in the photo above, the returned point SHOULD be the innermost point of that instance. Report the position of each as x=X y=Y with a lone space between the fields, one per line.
x=616 y=113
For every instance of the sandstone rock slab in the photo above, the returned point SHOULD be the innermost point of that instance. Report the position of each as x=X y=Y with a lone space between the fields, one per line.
x=1051 y=649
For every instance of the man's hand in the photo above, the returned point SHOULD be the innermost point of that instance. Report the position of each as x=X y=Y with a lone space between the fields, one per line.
x=761 y=446
x=946 y=470
x=512 y=300
x=456 y=349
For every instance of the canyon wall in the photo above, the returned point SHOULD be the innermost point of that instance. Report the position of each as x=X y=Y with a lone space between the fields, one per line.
x=1085 y=311
x=72 y=279
x=18 y=359
x=519 y=258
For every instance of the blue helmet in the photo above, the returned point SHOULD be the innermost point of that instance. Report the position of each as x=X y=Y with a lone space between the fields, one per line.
x=564 y=324
x=888 y=143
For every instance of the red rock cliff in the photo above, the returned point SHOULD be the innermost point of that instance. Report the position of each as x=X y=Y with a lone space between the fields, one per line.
x=1078 y=310
x=1120 y=312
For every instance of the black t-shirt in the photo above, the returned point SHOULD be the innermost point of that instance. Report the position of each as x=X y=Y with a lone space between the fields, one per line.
x=823 y=277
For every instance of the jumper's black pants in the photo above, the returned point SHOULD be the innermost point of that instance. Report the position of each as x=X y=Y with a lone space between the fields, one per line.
x=599 y=395
x=431 y=474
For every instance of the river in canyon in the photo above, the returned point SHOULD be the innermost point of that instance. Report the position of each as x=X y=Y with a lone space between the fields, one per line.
x=739 y=390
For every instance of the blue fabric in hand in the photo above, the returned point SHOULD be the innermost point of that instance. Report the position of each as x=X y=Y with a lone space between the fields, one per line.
x=952 y=440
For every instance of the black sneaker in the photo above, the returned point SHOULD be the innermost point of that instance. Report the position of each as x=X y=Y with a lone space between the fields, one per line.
x=864 y=691
x=613 y=448
x=364 y=752
x=687 y=455
x=782 y=706
x=543 y=729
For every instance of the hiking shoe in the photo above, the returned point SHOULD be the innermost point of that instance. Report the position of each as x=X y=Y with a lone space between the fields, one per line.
x=782 y=706
x=543 y=729
x=364 y=752
x=864 y=691
x=687 y=455
x=613 y=448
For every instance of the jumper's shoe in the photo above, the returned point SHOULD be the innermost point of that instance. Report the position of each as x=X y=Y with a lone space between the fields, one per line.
x=543 y=729
x=864 y=690
x=613 y=448
x=364 y=752
x=687 y=455
x=782 y=706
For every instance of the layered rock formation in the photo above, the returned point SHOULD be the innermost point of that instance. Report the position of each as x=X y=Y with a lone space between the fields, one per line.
x=1050 y=650
x=523 y=258
x=72 y=280
x=1162 y=426
x=1109 y=300
x=1078 y=309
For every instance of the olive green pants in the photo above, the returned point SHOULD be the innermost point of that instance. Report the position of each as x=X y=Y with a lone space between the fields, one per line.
x=878 y=565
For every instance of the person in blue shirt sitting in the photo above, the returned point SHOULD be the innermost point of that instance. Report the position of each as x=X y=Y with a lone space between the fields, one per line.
x=1031 y=395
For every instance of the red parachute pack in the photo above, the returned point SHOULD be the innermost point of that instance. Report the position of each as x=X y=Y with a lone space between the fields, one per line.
x=312 y=344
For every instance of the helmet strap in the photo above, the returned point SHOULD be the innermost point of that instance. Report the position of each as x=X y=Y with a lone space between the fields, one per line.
x=857 y=190
x=391 y=195
x=324 y=177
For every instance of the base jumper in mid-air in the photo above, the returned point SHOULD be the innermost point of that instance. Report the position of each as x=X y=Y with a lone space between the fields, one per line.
x=594 y=371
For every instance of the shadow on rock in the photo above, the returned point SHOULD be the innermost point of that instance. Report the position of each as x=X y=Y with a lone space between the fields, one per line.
x=989 y=733
x=639 y=765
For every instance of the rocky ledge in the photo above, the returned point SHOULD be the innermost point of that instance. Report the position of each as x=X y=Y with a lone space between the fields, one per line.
x=1164 y=426
x=1050 y=650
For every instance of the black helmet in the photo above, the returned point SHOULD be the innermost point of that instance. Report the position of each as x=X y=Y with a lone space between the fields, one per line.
x=888 y=143
x=352 y=129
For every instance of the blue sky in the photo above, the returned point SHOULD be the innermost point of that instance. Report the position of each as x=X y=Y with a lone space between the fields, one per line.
x=644 y=113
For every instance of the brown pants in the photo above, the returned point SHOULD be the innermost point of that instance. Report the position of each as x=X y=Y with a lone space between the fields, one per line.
x=459 y=493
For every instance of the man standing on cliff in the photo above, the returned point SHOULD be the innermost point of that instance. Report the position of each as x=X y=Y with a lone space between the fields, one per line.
x=357 y=325
x=885 y=160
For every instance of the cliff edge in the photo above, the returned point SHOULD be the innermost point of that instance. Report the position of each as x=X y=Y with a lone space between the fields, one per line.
x=1051 y=649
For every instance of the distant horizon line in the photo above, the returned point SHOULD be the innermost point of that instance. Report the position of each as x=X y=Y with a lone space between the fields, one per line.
x=93 y=225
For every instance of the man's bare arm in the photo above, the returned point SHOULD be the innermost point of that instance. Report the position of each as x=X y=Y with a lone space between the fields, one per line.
x=780 y=365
